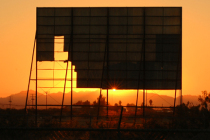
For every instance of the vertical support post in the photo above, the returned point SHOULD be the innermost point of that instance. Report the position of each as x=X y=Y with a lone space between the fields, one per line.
x=120 y=119
x=107 y=43
x=126 y=53
x=36 y=90
x=30 y=74
x=71 y=42
x=64 y=90
x=180 y=60
x=107 y=98
x=144 y=102
x=36 y=79
x=144 y=67
x=99 y=103
x=174 y=103
x=105 y=54
x=137 y=97
x=142 y=57
x=71 y=86
x=181 y=55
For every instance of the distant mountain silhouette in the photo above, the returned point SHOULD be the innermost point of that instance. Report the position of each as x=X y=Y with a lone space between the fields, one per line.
x=19 y=99
x=164 y=100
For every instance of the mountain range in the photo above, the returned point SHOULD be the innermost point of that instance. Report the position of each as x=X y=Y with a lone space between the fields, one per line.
x=18 y=100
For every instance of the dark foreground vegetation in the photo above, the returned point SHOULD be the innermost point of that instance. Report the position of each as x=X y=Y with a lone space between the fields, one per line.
x=121 y=122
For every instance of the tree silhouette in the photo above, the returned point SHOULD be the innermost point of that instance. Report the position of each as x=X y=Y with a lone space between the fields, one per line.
x=79 y=102
x=82 y=103
x=130 y=108
x=120 y=102
x=150 y=102
x=204 y=99
x=86 y=102
x=102 y=101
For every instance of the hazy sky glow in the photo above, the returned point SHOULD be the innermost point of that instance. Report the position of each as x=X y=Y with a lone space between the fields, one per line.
x=18 y=25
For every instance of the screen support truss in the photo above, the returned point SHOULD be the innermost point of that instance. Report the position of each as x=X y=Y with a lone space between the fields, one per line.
x=106 y=59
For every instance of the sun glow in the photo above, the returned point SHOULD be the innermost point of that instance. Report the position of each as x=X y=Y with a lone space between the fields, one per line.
x=114 y=89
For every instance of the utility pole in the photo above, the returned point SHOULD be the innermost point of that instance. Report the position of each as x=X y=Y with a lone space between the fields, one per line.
x=10 y=101
x=32 y=99
x=46 y=100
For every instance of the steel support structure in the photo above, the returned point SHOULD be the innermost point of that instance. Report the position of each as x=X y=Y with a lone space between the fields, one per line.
x=36 y=90
x=108 y=68
x=71 y=42
x=144 y=65
x=177 y=75
x=181 y=59
x=107 y=63
x=29 y=80
x=106 y=54
x=64 y=90
x=136 y=109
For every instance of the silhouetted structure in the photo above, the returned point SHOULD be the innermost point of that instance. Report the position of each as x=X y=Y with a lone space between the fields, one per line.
x=117 y=47
x=123 y=47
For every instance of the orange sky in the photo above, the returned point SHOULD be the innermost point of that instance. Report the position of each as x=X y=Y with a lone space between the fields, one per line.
x=17 y=24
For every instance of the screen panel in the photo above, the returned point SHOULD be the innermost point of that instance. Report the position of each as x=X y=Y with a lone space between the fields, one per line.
x=117 y=47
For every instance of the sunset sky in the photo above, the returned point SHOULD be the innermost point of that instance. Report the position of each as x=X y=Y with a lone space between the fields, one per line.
x=18 y=26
